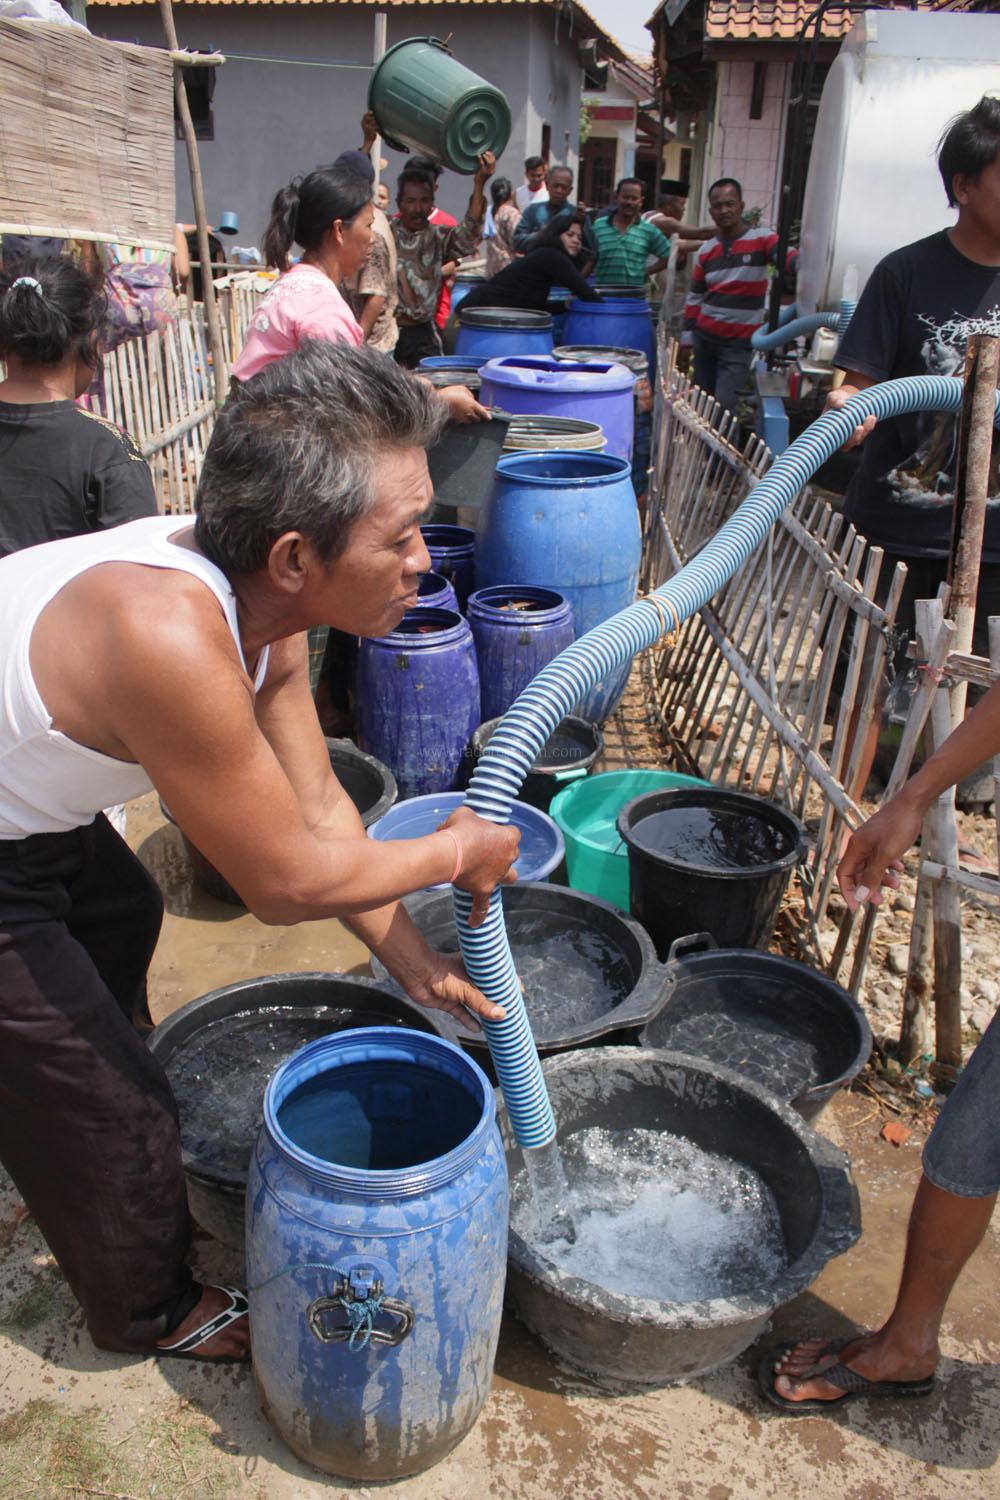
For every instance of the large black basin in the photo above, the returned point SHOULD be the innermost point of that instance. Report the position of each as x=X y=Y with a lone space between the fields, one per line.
x=370 y=785
x=639 y=1341
x=772 y=1020
x=219 y=1052
x=589 y=972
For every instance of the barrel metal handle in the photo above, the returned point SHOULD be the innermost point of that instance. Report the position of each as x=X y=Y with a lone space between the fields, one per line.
x=329 y=1332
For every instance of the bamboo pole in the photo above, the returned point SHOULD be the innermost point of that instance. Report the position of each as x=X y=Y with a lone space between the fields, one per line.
x=200 y=215
x=975 y=441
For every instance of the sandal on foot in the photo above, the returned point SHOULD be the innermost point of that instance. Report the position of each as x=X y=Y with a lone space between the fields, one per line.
x=845 y=1379
x=188 y=1346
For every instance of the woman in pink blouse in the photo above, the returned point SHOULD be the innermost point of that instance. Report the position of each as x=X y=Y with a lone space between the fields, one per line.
x=329 y=213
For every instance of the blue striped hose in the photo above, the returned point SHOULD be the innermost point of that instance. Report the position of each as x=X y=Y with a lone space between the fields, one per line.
x=563 y=682
x=787 y=333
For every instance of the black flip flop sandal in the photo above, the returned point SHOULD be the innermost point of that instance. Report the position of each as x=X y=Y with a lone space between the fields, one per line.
x=186 y=1348
x=836 y=1374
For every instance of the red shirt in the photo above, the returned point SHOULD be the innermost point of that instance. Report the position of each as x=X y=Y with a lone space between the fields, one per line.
x=444 y=301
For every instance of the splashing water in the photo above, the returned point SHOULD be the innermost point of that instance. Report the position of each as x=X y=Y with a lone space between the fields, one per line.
x=549 y=1193
x=656 y=1217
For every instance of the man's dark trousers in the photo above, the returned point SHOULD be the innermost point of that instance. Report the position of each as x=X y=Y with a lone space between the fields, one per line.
x=88 y=1124
x=721 y=367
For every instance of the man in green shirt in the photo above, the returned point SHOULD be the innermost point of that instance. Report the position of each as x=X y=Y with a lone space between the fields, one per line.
x=625 y=240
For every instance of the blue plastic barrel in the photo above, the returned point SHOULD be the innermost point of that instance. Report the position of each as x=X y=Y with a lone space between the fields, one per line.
x=436 y=592
x=567 y=521
x=376 y=1235
x=491 y=332
x=541 y=848
x=593 y=392
x=417 y=699
x=517 y=629
x=621 y=321
x=453 y=555
x=452 y=369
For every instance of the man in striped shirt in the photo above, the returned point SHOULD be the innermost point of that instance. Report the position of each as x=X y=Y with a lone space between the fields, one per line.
x=725 y=305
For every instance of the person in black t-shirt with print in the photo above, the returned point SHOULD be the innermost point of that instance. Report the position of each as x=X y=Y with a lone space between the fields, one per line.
x=906 y=323
x=63 y=471
x=914 y=318
x=527 y=282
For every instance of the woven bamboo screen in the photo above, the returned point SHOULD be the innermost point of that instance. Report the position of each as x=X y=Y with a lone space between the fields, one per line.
x=86 y=136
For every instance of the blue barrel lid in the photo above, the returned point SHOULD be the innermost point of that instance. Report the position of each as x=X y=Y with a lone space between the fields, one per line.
x=541 y=372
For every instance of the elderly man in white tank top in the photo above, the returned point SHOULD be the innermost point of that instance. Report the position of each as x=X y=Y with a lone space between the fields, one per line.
x=173 y=656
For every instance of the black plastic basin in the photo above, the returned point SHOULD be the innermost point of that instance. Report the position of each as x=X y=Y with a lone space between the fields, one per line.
x=589 y=971
x=220 y=1103
x=568 y=754
x=640 y=1341
x=370 y=785
x=777 y=1022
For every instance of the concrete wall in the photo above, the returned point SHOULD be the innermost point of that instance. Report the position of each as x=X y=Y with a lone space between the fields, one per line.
x=749 y=150
x=274 y=121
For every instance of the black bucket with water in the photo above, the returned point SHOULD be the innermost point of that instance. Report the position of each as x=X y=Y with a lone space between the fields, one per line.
x=567 y=755
x=589 y=973
x=702 y=859
x=219 y=1052
x=777 y=1022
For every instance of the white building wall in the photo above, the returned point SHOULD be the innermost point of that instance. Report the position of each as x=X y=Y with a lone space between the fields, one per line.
x=749 y=150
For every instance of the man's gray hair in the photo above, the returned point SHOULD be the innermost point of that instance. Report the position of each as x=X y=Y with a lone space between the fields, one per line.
x=296 y=446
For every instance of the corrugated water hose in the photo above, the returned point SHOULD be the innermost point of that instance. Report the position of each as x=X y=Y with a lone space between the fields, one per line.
x=559 y=687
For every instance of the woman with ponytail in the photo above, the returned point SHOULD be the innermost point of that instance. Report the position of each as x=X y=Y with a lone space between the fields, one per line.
x=329 y=214
x=63 y=470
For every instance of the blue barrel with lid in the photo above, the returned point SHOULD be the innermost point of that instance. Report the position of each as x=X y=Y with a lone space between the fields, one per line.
x=452 y=369
x=417 y=699
x=621 y=321
x=491 y=332
x=566 y=521
x=376 y=1236
x=517 y=629
x=453 y=555
x=592 y=391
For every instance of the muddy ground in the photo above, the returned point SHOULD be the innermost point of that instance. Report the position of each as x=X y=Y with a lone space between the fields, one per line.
x=75 y=1422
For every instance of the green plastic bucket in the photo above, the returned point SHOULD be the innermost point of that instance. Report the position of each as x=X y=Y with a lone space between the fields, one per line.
x=596 y=856
x=426 y=101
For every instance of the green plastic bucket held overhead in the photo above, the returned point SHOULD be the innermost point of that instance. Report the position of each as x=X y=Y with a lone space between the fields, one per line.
x=426 y=101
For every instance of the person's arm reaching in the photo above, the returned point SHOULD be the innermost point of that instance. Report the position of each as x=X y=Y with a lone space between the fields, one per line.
x=464 y=237
x=872 y=857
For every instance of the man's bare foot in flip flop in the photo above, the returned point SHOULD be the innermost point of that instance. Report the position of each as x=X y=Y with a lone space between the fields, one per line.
x=215 y=1331
x=883 y=1368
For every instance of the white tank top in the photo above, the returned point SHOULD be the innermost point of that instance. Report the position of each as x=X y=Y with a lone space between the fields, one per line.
x=48 y=782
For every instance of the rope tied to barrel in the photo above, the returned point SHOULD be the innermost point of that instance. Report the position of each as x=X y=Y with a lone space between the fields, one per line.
x=361 y=1316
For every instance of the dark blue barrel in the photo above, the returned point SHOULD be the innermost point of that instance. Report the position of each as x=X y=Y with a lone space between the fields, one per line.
x=495 y=331
x=622 y=321
x=567 y=521
x=453 y=556
x=417 y=699
x=593 y=392
x=517 y=628
x=436 y=592
x=376 y=1239
x=451 y=369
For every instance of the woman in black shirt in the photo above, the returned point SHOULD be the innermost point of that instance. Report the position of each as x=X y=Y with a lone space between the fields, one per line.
x=528 y=281
x=63 y=471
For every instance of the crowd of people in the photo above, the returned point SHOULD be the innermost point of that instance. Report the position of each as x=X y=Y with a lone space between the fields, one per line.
x=139 y=651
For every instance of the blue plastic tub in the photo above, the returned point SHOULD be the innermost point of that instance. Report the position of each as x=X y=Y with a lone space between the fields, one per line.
x=548 y=387
x=542 y=844
x=376 y=1250
x=436 y=592
x=453 y=556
